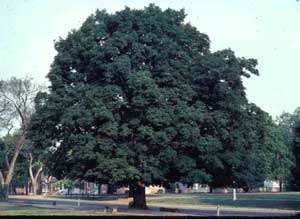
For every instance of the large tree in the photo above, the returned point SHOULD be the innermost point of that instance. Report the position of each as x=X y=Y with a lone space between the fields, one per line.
x=138 y=98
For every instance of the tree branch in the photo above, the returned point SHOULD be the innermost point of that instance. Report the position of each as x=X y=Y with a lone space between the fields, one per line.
x=38 y=172
x=6 y=161
x=13 y=160
x=30 y=166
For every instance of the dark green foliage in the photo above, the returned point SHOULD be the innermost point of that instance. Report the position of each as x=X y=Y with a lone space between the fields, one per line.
x=279 y=152
x=270 y=156
x=290 y=124
x=296 y=151
x=138 y=96
x=68 y=184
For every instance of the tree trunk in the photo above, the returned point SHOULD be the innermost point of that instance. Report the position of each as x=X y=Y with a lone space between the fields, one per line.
x=34 y=178
x=26 y=185
x=280 y=185
x=34 y=187
x=11 y=189
x=139 y=196
x=34 y=183
x=39 y=184
x=12 y=163
x=2 y=180
x=111 y=189
x=130 y=192
x=4 y=189
x=5 y=180
x=99 y=189
x=48 y=183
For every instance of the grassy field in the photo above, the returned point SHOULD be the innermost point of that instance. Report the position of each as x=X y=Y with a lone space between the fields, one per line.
x=13 y=209
x=286 y=201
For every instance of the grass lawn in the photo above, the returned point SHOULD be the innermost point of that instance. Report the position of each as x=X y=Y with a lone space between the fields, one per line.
x=8 y=209
x=286 y=200
x=14 y=209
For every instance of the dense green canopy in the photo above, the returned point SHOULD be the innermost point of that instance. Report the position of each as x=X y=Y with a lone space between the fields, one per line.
x=138 y=96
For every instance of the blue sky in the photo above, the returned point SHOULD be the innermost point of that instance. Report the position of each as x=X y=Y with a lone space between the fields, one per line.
x=268 y=30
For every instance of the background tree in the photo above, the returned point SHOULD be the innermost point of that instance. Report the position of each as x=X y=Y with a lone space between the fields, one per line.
x=35 y=168
x=137 y=98
x=247 y=146
x=7 y=145
x=296 y=151
x=290 y=124
x=36 y=158
x=66 y=184
x=16 y=106
x=279 y=153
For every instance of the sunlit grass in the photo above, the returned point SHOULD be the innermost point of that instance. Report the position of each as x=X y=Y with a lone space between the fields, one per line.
x=287 y=201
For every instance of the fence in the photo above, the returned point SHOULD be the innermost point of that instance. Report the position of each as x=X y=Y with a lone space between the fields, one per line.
x=94 y=196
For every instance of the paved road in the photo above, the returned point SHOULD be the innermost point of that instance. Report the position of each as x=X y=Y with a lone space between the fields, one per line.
x=208 y=211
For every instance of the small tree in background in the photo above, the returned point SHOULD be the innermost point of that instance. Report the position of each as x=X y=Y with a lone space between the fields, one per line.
x=16 y=106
